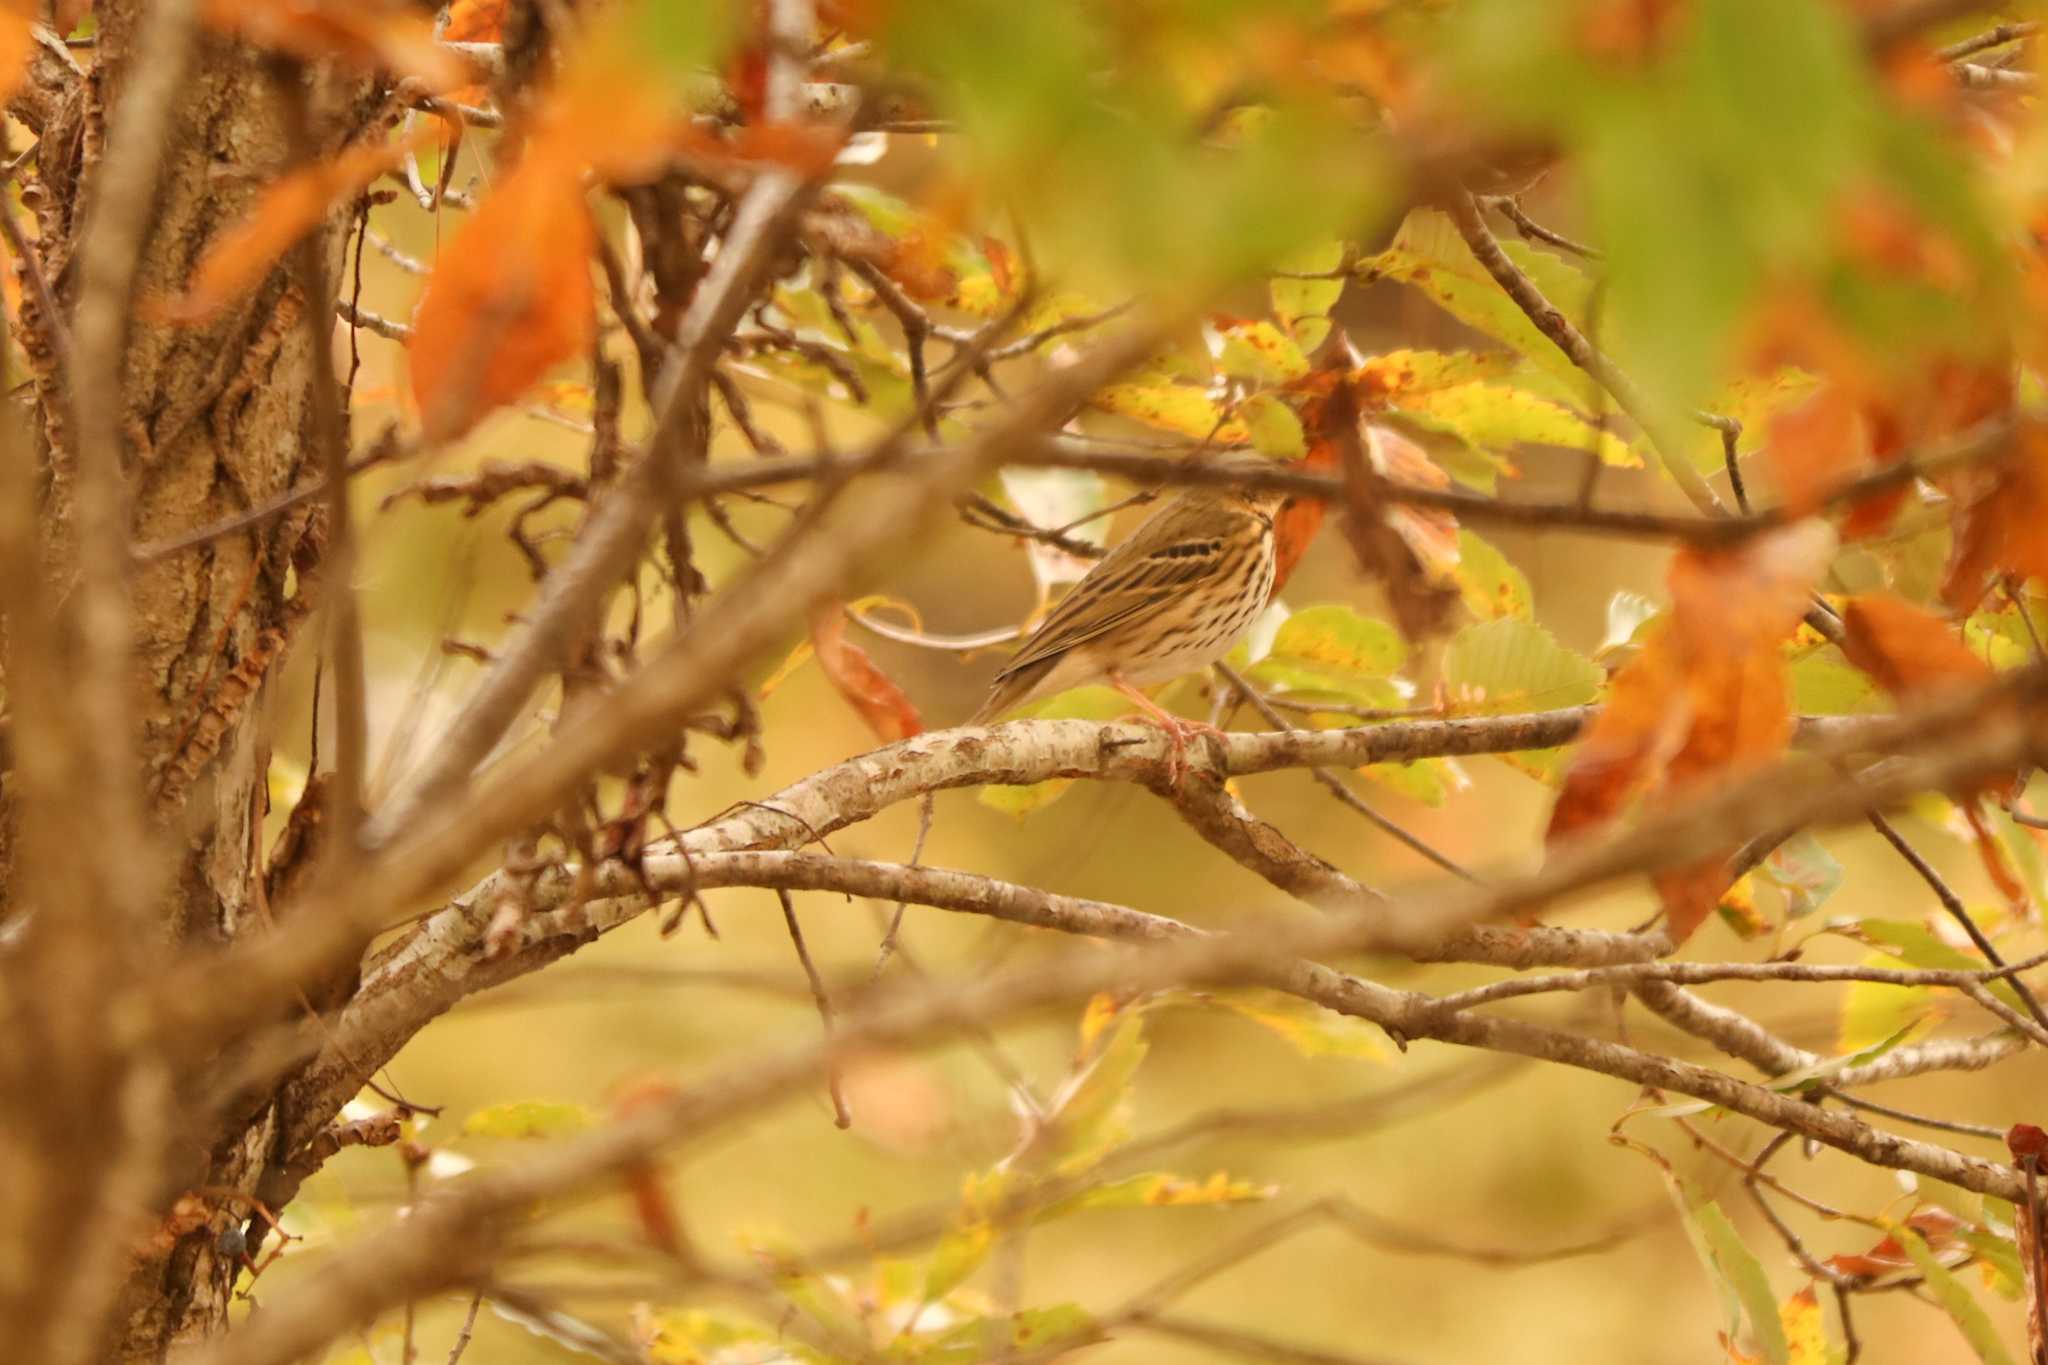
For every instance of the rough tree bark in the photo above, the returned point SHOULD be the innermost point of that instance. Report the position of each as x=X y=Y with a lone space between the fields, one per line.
x=217 y=420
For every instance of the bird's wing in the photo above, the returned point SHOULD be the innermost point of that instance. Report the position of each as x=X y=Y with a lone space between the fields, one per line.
x=1176 y=547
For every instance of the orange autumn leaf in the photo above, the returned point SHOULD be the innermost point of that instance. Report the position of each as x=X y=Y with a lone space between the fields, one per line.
x=1912 y=653
x=282 y=216
x=1629 y=744
x=1815 y=445
x=17 y=42
x=510 y=297
x=1300 y=518
x=870 y=691
x=383 y=34
x=475 y=21
x=1705 y=700
x=612 y=109
x=1907 y=651
x=2001 y=526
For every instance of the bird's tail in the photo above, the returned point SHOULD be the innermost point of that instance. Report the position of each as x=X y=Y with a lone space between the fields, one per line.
x=1012 y=688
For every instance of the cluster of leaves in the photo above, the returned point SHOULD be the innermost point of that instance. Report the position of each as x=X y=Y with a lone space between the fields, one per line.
x=1927 y=1244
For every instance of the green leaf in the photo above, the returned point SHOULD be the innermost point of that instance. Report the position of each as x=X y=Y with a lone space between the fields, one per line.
x=1500 y=417
x=1260 y=352
x=1396 y=376
x=1303 y=306
x=1341 y=639
x=2000 y=1257
x=1498 y=667
x=1177 y=408
x=1091 y=1114
x=958 y=1255
x=1967 y=1313
x=1427 y=780
x=1873 y=1011
x=1162 y=1189
x=1917 y=946
x=1082 y=703
x=1274 y=429
x=1805 y=871
x=1752 y=400
x=1313 y=1030
x=1823 y=685
x=689 y=1336
x=1034 y=1333
x=529 y=1119
x=1491 y=586
x=1746 y=1274
x=1429 y=255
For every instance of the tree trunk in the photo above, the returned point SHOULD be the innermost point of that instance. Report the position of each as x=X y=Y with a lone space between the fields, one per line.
x=217 y=420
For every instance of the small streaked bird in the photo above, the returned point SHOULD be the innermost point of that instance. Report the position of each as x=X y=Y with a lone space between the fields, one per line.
x=1170 y=599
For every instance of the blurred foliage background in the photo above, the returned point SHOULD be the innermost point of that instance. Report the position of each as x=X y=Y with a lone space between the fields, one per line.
x=1760 y=183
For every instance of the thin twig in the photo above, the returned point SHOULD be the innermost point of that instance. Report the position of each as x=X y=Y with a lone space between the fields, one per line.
x=1953 y=904
x=834 y=1079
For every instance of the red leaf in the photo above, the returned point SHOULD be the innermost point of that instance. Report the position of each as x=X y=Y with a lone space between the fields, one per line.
x=870 y=691
x=510 y=297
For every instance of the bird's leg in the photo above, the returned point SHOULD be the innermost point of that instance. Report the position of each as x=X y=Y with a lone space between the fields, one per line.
x=1177 y=728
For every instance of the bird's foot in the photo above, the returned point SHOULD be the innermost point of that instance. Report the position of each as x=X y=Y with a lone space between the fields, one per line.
x=1179 y=730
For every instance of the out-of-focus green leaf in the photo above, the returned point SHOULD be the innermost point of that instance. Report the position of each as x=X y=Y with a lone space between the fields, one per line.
x=1501 y=417
x=1179 y=408
x=1805 y=871
x=1491 y=586
x=1967 y=1313
x=1274 y=429
x=1999 y=1255
x=1313 y=1030
x=958 y=1255
x=1873 y=1011
x=1917 y=946
x=1260 y=352
x=690 y=1336
x=1429 y=255
x=1497 y=667
x=1752 y=401
x=1083 y=703
x=1746 y=1274
x=1823 y=685
x=1162 y=1189
x=1430 y=781
x=1303 y=305
x=528 y=1119
x=1034 y=1333
x=1395 y=376
x=1091 y=1113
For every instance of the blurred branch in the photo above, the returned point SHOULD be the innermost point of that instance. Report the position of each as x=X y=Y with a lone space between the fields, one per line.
x=1552 y=322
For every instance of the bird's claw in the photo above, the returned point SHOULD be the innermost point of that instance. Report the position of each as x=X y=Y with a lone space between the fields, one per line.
x=1178 y=731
